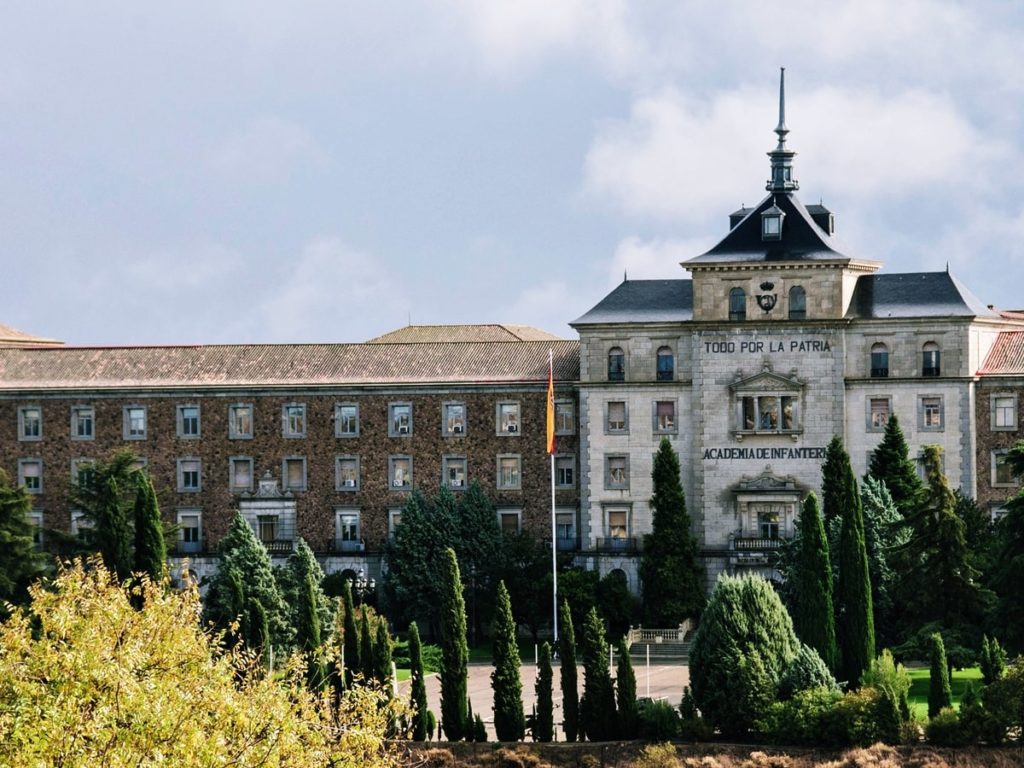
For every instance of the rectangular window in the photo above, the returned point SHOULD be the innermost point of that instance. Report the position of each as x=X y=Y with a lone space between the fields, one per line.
x=36 y=521
x=453 y=419
x=188 y=422
x=1004 y=412
x=399 y=419
x=509 y=520
x=565 y=471
x=240 y=421
x=1002 y=471
x=347 y=535
x=293 y=418
x=400 y=473
x=508 y=418
x=565 y=530
x=509 y=470
x=930 y=412
x=879 y=410
x=240 y=472
x=135 y=422
x=565 y=417
x=768 y=524
x=80 y=523
x=616 y=472
x=347 y=471
x=615 y=420
x=618 y=525
x=665 y=416
x=267 y=528
x=30 y=423
x=394 y=520
x=83 y=422
x=346 y=420
x=190 y=531
x=768 y=413
x=189 y=475
x=30 y=474
x=293 y=472
x=454 y=472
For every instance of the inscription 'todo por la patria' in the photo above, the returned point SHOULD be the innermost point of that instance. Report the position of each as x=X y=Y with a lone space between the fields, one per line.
x=771 y=346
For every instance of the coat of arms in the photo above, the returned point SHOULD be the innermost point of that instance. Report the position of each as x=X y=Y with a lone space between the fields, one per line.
x=766 y=301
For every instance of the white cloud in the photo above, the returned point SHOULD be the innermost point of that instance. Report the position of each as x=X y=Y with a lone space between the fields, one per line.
x=267 y=151
x=547 y=305
x=653 y=259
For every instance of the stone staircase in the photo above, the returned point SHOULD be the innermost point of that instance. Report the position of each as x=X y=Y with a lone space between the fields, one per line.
x=660 y=645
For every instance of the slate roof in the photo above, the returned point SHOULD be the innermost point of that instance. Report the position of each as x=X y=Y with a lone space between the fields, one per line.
x=428 y=334
x=802 y=239
x=13 y=337
x=643 y=301
x=914 y=294
x=1006 y=355
x=260 y=365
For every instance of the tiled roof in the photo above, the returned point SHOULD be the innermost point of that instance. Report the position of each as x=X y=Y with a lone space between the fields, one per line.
x=643 y=301
x=12 y=337
x=429 y=334
x=1006 y=355
x=286 y=365
x=914 y=294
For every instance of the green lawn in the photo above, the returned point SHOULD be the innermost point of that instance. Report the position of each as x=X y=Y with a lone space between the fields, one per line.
x=919 y=678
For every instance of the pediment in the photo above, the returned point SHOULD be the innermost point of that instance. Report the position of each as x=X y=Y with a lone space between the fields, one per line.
x=767 y=381
x=767 y=481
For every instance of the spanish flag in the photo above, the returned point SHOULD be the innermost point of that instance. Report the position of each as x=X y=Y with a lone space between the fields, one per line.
x=551 y=404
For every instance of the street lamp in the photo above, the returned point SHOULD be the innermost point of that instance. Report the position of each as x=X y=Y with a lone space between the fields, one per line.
x=363 y=587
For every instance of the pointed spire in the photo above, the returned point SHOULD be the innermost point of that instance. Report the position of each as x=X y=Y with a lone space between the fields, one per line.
x=782 y=159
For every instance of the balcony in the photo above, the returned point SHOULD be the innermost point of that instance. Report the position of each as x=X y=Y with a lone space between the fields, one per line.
x=624 y=544
x=188 y=547
x=279 y=546
x=564 y=543
x=750 y=543
x=347 y=545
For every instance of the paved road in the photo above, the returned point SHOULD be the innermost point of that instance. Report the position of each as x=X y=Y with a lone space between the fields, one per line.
x=659 y=682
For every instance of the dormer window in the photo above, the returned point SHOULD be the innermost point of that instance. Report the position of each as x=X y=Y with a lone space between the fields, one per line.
x=771 y=223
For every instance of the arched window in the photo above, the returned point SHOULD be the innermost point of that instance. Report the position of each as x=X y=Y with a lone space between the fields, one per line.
x=737 y=304
x=879 y=361
x=666 y=364
x=931 y=359
x=616 y=364
x=797 y=303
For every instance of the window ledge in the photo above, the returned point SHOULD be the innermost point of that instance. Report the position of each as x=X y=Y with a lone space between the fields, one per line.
x=739 y=434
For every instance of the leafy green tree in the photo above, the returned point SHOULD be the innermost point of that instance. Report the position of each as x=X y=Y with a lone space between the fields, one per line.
x=567 y=674
x=382 y=654
x=509 y=723
x=524 y=564
x=597 y=707
x=940 y=695
x=245 y=572
x=291 y=580
x=486 y=555
x=350 y=634
x=578 y=587
x=856 y=622
x=21 y=562
x=150 y=551
x=454 y=653
x=307 y=635
x=891 y=463
x=883 y=535
x=670 y=571
x=743 y=644
x=625 y=694
x=1008 y=571
x=814 y=619
x=106 y=495
x=421 y=714
x=544 y=720
x=615 y=604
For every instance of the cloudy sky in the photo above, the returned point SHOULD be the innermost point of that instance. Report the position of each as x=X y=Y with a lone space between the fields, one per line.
x=228 y=171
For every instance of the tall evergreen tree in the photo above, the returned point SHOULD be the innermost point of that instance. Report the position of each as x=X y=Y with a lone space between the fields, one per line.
x=1008 y=572
x=625 y=694
x=509 y=723
x=382 y=653
x=884 y=534
x=670 y=570
x=257 y=630
x=350 y=634
x=421 y=713
x=833 y=483
x=856 y=614
x=454 y=653
x=568 y=674
x=291 y=580
x=106 y=495
x=814 y=618
x=367 y=651
x=307 y=635
x=597 y=707
x=891 y=464
x=21 y=562
x=544 y=718
x=940 y=695
x=150 y=551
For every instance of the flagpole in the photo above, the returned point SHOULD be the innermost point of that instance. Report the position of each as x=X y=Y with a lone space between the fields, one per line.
x=554 y=522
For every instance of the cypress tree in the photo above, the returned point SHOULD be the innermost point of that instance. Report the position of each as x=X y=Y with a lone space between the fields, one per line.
x=20 y=561
x=106 y=496
x=454 y=653
x=350 y=634
x=856 y=614
x=509 y=722
x=1008 y=567
x=567 y=674
x=257 y=634
x=814 y=617
x=625 y=693
x=367 y=667
x=421 y=713
x=291 y=579
x=670 y=570
x=891 y=464
x=150 y=551
x=307 y=635
x=940 y=695
x=993 y=660
x=597 y=707
x=382 y=653
x=543 y=721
